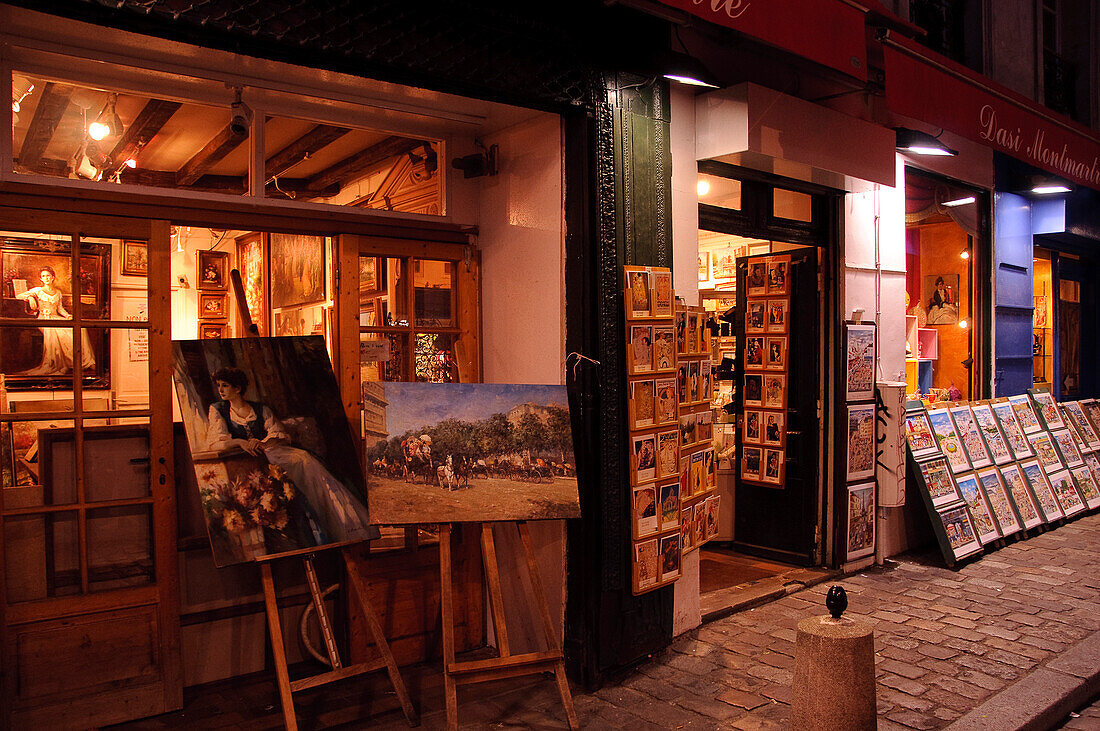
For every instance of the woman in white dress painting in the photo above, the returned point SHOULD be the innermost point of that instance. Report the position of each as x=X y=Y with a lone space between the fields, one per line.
x=57 y=342
x=250 y=425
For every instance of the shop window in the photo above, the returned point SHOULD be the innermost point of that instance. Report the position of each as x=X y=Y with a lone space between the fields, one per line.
x=792 y=205
x=1042 y=348
x=942 y=231
x=715 y=190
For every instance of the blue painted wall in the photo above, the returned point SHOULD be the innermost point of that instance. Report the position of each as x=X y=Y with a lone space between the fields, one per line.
x=1013 y=303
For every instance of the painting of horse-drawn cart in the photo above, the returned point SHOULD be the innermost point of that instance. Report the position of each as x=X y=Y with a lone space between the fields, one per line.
x=470 y=452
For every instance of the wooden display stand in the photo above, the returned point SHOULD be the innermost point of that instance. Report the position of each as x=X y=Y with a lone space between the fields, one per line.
x=457 y=673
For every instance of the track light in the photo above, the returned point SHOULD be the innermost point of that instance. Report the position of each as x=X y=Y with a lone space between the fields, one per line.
x=107 y=123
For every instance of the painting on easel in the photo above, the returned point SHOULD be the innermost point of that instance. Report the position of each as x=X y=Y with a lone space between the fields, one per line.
x=471 y=452
x=272 y=448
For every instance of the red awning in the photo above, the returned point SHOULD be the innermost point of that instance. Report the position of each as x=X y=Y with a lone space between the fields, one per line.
x=925 y=86
x=828 y=32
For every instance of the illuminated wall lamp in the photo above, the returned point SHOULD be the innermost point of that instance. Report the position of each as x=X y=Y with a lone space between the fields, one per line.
x=1050 y=189
x=960 y=201
x=963 y=324
x=686 y=69
x=921 y=143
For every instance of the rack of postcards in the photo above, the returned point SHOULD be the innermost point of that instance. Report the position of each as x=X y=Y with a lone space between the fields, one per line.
x=698 y=463
x=991 y=470
x=859 y=391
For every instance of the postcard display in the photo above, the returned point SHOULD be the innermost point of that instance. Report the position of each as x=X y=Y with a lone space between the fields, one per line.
x=993 y=469
x=859 y=433
x=673 y=475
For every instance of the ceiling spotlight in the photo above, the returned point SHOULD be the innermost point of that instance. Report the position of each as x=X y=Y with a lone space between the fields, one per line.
x=921 y=143
x=960 y=201
x=108 y=121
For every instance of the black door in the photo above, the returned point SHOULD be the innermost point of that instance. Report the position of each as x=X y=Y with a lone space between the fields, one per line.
x=1074 y=328
x=777 y=522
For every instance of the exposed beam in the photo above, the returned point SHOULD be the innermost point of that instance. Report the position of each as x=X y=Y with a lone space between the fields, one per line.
x=215 y=150
x=363 y=160
x=301 y=148
x=144 y=128
x=47 y=115
x=300 y=187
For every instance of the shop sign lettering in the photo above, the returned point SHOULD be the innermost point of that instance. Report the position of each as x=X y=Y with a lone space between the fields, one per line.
x=1012 y=140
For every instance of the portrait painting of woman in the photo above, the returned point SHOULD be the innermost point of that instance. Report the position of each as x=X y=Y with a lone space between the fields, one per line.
x=57 y=342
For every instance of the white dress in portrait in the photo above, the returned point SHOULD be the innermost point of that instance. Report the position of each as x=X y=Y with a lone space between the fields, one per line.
x=342 y=516
x=57 y=342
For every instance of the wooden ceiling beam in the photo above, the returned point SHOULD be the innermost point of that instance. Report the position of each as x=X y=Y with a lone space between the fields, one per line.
x=47 y=115
x=149 y=121
x=214 y=152
x=300 y=149
x=361 y=161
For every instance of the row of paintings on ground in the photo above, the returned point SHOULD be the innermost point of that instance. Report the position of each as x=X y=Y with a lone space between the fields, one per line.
x=993 y=469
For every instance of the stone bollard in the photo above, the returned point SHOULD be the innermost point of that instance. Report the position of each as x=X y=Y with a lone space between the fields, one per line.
x=834 y=673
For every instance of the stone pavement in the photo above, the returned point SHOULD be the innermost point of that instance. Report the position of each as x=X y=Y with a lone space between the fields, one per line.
x=1009 y=641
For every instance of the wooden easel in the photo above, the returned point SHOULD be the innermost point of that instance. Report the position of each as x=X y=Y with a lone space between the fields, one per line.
x=288 y=687
x=457 y=673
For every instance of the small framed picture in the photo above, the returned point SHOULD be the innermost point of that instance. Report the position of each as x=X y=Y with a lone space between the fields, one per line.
x=693 y=339
x=860 y=437
x=710 y=469
x=640 y=348
x=1048 y=410
x=1021 y=496
x=775 y=428
x=861 y=520
x=688 y=435
x=859 y=354
x=918 y=433
x=705 y=384
x=687 y=530
x=1092 y=461
x=939 y=481
x=681 y=331
x=664 y=349
x=644 y=511
x=946 y=437
x=212 y=330
x=135 y=258
x=779 y=269
x=670 y=504
x=712 y=516
x=999 y=501
x=213 y=305
x=670 y=557
x=971 y=436
x=1066 y=491
x=642 y=404
x=754 y=389
x=1046 y=451
x=1010 y=425
x=974 y=495
x=662 y=292
x=1067 y=448
x=1086 y=485
x=773 y=467
x=756 y=279
x=647 y=565
x=693 y=382
x=1074 y=413
x=704 y=427
x=777 y=315
x=1040 y=487
x=754 y=428
x=667 y=404
x=752 y=463
x=683 y=383
x=775 y=354
x=643 y=457
x=1025 y=413
x=668 y=454
x=756 y=316
x=995 y=442
x=704 y=266
x=962 y=539
x=696 y=480
x=699 y=518
x=775 y=391
x=639 y=295
x=212 y=270
x=754 y=352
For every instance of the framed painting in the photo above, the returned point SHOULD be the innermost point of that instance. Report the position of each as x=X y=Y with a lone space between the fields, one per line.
x=302 y=320
x=1022 y=498
x=939 y=483
x=971 y=436
x=297 y=269
x=918 y=431
x=723 y=264
x=860 y=440
x=213 y=305
x=1086 y=485
x=1025 y=413
x=1067 y=448
x=252 y=264
x=947 y=438
x=1091 y=407
x=995 y=441
x=704 y=266
x=135 y=258
x=212 y=270
x=1092 y=461
x=1065 y=489
x=984 y=522
x=40 y=288
x=999 y=501
x=1014 y=433
x=1046 y=451
x=860 y=538
x=960 y=536
x=212 y=330
x=941 y=297
x=1042 y=491
x=1049 y=415
x=1074 y=414
x=859 y=365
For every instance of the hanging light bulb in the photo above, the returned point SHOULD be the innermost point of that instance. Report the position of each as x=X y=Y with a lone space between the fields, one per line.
x=108 y=122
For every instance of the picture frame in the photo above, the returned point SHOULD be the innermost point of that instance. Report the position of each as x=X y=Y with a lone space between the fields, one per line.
x=756 y=277
x=918 y=433
x=664 y=349
x=778 y=314
x=860 y=348
x=860 y=440
x=212 y=270
x=774 y=467
x=938 y=481
x=1003 y=509
x=1067 y=448
x=774 y=429
x=1046 y=451
x=668 y=454
x=661 y=280
x=297 y=269
x=753 y=359
x=642 y=404
x=704 y=424
x=779 y=274
x=639 y=349
x=1025 y=413
x=688 y=433
x=1086 y=485
x=995 y=442
x=213 y=305
x=667 y=410
x=960 y=539
x=1022 y=497
x=643 y=458
x=985 y=524
x=695 y=474
x=646 y=565
x=710 y=469
x=639 y=293
x=252 y=264
x=947 y=439
x=971 y=436
x=1074 y=414
x=753 y=394
x=753 y=432
x=752 y=463
x=756 y=317
x=706 y=383
x=699 y=518
x=941 y=298
x=712 y=504
x=1010 y=427
x=134 y=258
x=775 y=353
x=681 y=331
x=1049 y=415
x=668 y=494
x=860 y=531
x=693 y=340
x=723 y=267
x=693 y=382
x=1091 y=407
x=299 y=320
x=1065 y=489
x=670 y=557
x=704 y=266
x=212 y=330
x=1041 y=490
x=1092 y=461
x=687 y=530
x=775 y=391
x=643 y=509
x=39 y=358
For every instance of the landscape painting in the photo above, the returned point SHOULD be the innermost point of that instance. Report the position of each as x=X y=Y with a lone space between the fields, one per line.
x=470 y=452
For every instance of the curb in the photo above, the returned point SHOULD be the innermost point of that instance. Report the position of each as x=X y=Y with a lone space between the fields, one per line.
x=1044 y=697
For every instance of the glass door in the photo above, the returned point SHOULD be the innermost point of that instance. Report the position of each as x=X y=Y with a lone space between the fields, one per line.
x=87 y=547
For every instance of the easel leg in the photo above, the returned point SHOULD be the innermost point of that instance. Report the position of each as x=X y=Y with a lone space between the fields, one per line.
x=496 y=598
x=450 y=690
x=322 y=613
x=379 y=637
x=275 y=629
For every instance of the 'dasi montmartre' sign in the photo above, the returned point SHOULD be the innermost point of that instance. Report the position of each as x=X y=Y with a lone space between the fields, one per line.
x=956 y=99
